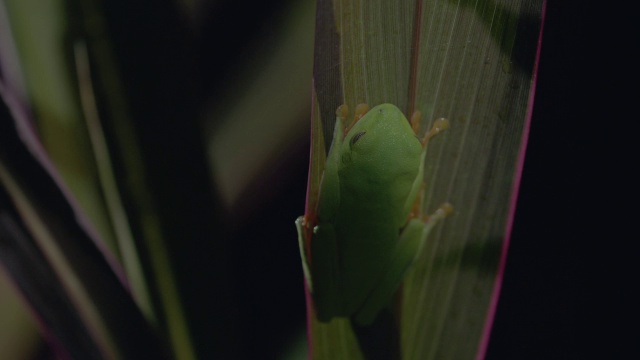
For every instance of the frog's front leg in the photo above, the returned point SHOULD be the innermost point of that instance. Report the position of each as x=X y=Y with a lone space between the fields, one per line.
x=301 y=225
x=407 y=249
x=321 y=270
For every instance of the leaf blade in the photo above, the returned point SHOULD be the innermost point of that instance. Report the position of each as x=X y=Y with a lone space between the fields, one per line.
x=471 y=62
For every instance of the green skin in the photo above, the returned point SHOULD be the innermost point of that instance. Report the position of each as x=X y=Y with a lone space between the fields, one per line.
x=364 y=241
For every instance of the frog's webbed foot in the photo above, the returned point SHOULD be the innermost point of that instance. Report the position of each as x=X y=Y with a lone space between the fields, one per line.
x=438 y=126
x=359 y=113
x=361 y=110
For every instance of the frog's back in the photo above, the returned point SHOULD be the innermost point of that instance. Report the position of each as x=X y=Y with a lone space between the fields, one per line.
x=376 y=174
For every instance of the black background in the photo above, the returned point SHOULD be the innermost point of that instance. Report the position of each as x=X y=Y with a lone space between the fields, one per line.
x=569 y=282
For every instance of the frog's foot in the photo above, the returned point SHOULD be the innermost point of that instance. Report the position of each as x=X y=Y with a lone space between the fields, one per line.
x=361 y=110
x=442 y=212
x=438 y=126
x=342 y=112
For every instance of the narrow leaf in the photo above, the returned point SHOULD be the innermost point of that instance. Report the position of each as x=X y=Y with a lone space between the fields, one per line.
x=471 y=62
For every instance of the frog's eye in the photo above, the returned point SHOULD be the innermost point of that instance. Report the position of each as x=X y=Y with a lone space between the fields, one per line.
x=357 y=137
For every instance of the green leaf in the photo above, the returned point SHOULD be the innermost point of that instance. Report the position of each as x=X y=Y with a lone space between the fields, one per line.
x=73 y=90
x=51 y=252
x=471 y=62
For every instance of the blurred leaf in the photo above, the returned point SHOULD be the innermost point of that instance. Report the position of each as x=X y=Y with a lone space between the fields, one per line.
x=152 y=119
x=471 y=62
x=58 y=89
x=43 y=49
x=72 y=86
x=19 y=338
x=256 y=126
x=117 y=90
x=52 y=254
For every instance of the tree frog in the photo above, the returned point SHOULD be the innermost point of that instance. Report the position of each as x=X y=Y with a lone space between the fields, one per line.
x=368 y=230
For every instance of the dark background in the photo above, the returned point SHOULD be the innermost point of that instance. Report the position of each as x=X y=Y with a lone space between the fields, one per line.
x=568 y=284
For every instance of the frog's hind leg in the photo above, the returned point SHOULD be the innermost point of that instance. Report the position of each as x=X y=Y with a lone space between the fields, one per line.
x=409 y=246
x=404 y=255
